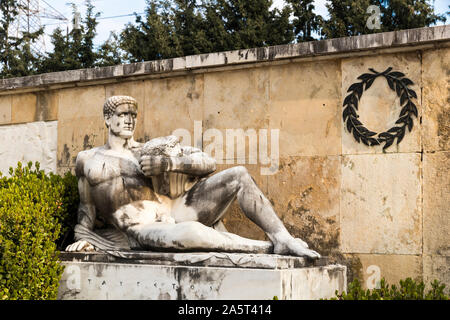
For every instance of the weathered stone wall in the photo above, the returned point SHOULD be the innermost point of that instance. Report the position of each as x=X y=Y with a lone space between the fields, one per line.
x=380 y=213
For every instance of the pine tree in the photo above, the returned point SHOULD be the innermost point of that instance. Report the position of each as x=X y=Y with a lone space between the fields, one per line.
x=216 y=32
x=246 y=21
x=75 y=50
x=16 y=56
x=110 y=53
x=190 y=28
x=349 y=17
x=251 y=23
x=88 y=55
x=57 y=59
x=27 y=60
x=306 y=22
x=408 y=14
x=280 y=29
x=152 y=38
x=185 y=27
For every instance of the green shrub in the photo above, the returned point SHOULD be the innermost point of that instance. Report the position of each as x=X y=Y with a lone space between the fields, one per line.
x=36 y=211
x=407 y=290
x=68 y=187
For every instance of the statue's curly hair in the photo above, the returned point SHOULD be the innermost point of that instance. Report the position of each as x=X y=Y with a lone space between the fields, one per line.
x=113 y=102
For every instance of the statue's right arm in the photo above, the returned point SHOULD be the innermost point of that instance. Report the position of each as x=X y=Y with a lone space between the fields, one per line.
x=86 y=209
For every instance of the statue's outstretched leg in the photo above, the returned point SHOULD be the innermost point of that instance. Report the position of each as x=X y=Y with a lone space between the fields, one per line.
x=209 y=199
x=193 y=236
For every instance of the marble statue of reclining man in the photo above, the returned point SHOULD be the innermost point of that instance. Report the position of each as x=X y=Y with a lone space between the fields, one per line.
x=161 y=196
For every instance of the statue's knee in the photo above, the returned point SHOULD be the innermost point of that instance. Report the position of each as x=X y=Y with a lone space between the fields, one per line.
x=239 y=174
x=243 y=175
x=240 y=171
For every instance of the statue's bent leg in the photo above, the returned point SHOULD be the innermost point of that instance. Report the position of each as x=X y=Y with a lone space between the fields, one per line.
x=193 y=236
x=208 y=200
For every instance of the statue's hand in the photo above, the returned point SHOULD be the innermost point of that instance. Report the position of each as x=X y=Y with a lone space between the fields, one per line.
x=80 y=246
x=154 y=165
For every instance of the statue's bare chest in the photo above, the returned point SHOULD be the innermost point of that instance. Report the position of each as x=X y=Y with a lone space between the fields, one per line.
x=107 y=166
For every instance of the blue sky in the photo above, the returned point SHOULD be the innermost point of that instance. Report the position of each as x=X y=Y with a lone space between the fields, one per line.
x=107 y=8
x=112 y=8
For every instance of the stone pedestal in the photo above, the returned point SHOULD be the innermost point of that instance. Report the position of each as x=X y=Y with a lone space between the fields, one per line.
x=195 y=276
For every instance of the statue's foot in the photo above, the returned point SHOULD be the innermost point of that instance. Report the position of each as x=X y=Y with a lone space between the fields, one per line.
x=296 y=247
x=303 y=243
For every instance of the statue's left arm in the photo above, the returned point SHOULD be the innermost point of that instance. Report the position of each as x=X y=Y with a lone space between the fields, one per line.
x=193 y=162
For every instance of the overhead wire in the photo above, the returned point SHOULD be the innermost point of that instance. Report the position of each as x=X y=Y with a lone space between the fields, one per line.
x=101 y=18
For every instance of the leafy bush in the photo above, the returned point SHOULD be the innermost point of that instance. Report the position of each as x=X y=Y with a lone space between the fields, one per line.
x=36 y=211
x=68 y=188
x=408 y=290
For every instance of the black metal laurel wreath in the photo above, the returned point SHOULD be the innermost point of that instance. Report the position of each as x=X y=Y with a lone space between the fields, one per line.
x=398 y=83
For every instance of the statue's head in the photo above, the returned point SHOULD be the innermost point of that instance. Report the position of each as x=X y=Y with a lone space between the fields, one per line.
x=120 y=114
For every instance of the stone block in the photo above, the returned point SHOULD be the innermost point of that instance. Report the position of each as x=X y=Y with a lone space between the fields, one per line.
x=235 y=106
x=436 y=202
x=23 y=108
x=33 y=107
x=305 y=193
x=304 y=105
x=171 y=279
x=392 y=268
x=436 y=99
x=83 y=102
x=379 y=107
x=381 y=204
x=47 y=105
x=243 y=147
x=76 y=136
x=436 y=267
x=35 y=141
x=5 y=109
x=173 y=103
x=236 y=99
x=135 y=89
x=313 y=283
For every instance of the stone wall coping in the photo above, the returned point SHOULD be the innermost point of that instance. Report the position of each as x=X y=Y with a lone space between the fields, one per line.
x=171 y=67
